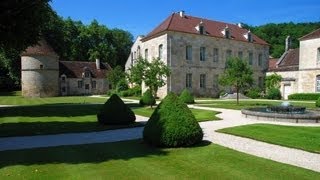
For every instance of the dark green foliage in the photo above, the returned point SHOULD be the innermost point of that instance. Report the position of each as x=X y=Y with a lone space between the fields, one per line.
x=318 y=102
x=186 y=97
x=135 y=91
x=273 y=93
x=253 y=93
x=147 y=99
x=122 y=85
x=115 y=112
x=172 y=124
x=304 y=96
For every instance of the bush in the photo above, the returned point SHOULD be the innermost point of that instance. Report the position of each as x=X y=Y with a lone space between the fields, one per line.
x=135 y=91
x=172 y=124
x=147 y=99
x=304 y=96
x=186 y=97
x=122 y=85
x=273 y=93
x=115 y=112
x=318 y=102
x=253 y=93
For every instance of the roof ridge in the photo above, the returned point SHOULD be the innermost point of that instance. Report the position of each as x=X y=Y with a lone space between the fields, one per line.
x=172 y=15
x=309 y=34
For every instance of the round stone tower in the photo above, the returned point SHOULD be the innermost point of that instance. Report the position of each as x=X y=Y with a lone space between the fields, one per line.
x=40 y=71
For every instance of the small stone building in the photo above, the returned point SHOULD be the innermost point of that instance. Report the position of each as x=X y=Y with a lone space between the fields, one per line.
x=196 y=50
x=43 y=75
x=299 y=68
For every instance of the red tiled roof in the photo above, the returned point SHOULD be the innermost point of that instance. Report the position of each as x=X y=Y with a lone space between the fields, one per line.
x=42 y=48
x=272 y=64
x=312 y=35
x=74 y=69
x=187 y=24
x=289 y=61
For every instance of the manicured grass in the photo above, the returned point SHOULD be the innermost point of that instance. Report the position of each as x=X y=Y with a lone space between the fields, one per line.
x=305 y=138
x=135 y=160
x=201 y=115
x=51 y=119
x=231 y=104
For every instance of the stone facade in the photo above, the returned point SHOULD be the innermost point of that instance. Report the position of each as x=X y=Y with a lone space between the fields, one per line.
x=174 y=53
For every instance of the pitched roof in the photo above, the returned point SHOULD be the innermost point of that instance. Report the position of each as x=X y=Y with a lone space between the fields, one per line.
x=41 y=48
x=312 y=35
x=289 y=61
x=187 y=24
x=74 y=69
x=272 y=64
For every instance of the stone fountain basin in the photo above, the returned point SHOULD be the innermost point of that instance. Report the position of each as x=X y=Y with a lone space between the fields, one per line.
x=260 y=113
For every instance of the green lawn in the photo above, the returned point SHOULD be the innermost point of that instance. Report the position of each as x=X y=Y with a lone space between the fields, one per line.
x=231 y=104
x=135 y=160
x=201 y=115
x=305 y=138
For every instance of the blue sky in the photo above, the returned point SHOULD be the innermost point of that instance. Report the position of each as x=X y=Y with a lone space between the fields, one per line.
x=140 y=16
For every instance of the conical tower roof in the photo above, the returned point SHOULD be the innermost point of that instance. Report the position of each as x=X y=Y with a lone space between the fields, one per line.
x=41 y=48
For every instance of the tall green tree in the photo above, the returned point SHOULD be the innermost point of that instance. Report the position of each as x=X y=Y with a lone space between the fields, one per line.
x=115 y=76
x=237 y=74
x=136 y=73
x=273 y=81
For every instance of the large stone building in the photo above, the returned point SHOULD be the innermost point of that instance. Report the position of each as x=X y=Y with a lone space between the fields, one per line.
x=43 y=75
x=196 y=50
x=299 y=68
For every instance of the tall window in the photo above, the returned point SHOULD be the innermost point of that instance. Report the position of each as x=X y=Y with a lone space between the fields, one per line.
x=189 y=80
x=146 y=54
x=249 y=37
x=201 y=29
x=250 y=58
x=240 y=54
x=202 y=81
x=86 y=74
x=188 y=52
x=318 y=58
x=318 y=83
x=80 y=84
x=260 y=60
x=202 y=53
x=139 y=52
x=135 y=55
x=94 y=84
x=228 y=54
x=160 y=51
x=215 y=54
x=131 y=58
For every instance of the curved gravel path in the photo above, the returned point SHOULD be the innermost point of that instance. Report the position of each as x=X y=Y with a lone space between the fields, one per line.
x=230 y=118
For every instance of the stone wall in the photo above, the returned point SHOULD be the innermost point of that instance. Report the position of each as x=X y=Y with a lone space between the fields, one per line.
x=71 y=85
x=308 y=54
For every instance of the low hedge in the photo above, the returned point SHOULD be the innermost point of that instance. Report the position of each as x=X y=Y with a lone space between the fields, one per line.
x=186 y=97
x=304 y=96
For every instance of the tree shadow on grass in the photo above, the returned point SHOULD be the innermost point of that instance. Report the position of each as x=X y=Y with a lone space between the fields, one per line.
x=89 y=153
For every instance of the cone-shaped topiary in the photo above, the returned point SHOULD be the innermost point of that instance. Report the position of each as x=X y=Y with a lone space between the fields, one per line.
x=147 y=99
x=115 y=112
x=186 y=97
x=172 y=124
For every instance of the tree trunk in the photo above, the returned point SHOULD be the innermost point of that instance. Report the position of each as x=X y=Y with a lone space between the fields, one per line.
x=237 y=95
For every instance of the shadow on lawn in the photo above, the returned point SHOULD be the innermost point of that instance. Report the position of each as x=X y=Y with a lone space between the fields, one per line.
x=90 y=153
x=58 y=110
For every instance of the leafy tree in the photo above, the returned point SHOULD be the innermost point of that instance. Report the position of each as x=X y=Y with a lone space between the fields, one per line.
x=137 y=72
x=273 y=81
x=115 y=76
x=237 y=74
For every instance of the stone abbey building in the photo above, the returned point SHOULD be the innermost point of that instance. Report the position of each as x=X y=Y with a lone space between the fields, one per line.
x=43 y=75
x=196 y=50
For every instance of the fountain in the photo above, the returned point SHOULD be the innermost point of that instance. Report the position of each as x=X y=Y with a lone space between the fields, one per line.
x=284 y=112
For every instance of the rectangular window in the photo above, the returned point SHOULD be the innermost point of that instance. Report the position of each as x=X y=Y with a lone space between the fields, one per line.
x=240 y=54
x=63 y=79
x=80 y=84
x=160 y=51
x=189 y=80
x=202 y=81
x=87 y=86
x=202 y=53
x=260 y=60
x=94 y=84
x=146 y=54
x=87 y=74
x=250 y=58
x=318 y=56
x=215 y=54
x=228 y=54
x=188 y=52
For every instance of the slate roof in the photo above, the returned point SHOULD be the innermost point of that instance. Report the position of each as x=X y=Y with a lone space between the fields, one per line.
x=312 y=35
x=42 y=48
x=187 y=24
x=74 y=69
x=289 y=61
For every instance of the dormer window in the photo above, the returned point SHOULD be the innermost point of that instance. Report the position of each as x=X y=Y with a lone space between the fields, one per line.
x=87 y=74
x=226 y=32
x=200 y=28
x=248 y=36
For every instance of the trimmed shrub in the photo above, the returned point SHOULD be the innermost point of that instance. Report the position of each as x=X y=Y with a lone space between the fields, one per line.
x=115 y=112
x=304 y=96
x=273 y=93
x=172 y=124
x=253 y=93
x=147 y=99
x=318 y=102
x=186 y=97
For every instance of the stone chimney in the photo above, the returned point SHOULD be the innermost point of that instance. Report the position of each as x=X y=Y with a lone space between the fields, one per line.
x=98 y=63
x=288 y=43
x=181 y=13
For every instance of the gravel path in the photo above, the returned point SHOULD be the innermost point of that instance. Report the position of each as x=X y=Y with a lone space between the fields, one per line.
x=230 y=118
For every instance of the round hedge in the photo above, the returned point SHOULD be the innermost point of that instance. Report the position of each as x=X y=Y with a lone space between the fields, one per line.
x=147 y=99
x=172 y=124
x=115 y=112
x=186 y=97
